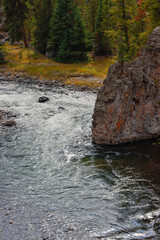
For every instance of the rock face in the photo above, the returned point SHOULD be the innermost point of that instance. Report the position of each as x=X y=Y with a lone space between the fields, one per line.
x=128 y=105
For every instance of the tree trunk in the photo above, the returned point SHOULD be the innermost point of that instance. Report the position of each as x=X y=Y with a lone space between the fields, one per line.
x=25 y=37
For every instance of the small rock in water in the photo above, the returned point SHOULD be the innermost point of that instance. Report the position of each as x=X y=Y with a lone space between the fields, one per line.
x=61 y=108
x=9 y=123
x=43 y=99
x=11 y=115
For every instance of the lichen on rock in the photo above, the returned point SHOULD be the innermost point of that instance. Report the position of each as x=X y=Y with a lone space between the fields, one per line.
x=128 y=104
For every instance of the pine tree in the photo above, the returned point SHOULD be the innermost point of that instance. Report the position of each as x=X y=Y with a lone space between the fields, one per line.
x=67 y=33
x=88 y=10
x=92 y=13
x=123 y=15
x=15 y=11
x=101 y=27
x=41 y=33
x=30 y=21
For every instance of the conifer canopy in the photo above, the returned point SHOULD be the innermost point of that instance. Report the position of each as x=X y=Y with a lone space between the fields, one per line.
x=15 y=11
x=67 y=33
x=43 y=17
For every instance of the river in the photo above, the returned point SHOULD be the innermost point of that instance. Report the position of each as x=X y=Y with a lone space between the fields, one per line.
x=55 y=184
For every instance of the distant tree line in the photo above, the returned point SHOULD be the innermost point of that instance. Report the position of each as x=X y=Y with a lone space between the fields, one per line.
x=70 y=28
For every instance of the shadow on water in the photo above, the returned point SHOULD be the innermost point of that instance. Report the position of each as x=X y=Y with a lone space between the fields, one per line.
x=142 y=157
x=133 y=173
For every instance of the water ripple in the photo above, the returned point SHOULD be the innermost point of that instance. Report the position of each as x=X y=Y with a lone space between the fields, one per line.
x=55 y=184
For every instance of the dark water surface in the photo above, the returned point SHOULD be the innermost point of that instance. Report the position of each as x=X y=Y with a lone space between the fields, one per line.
x=55 y=184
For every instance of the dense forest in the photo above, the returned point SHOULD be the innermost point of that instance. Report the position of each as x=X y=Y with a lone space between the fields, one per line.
x=67 y=29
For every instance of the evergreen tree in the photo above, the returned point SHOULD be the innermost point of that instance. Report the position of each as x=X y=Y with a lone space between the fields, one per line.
x=88 y=10
x=123 y=15
x=101 y=27
x=15 y=11
x=30 y=22
x=41 y=33
x=67 y=33
x=91 y=15
x=122 y=52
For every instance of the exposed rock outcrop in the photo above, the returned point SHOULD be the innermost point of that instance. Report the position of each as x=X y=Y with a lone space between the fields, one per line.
x=128 y=105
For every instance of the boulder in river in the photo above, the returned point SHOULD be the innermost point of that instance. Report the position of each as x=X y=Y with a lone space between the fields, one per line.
x=43 y=99
x=127 y=108
x=5 y=119
x=9 y=123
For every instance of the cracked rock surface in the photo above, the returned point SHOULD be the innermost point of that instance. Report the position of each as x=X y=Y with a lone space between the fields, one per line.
x=128 y=104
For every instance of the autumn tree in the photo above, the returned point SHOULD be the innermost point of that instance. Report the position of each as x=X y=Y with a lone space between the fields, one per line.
x=141 y=15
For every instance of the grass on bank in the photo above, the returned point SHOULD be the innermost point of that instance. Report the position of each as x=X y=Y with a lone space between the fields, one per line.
x=26 y=60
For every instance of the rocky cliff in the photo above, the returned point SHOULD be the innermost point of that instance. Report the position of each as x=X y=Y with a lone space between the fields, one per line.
x=128 y=105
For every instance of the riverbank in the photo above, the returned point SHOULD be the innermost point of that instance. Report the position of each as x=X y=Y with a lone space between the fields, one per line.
x=22 y=77
x=29 y=67
x=7 y=118
x=30 y=64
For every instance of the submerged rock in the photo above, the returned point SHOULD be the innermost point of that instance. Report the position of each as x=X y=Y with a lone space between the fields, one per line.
x=43 y=99
x=9 y=123
x=128 y=104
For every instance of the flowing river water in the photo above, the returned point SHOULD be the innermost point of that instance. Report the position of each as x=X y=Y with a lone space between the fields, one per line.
x=55 y=184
